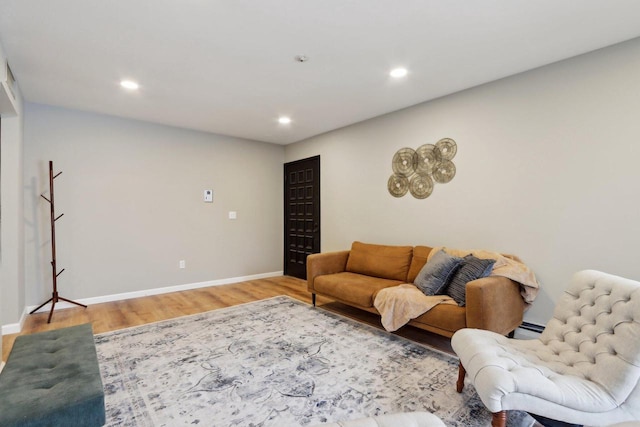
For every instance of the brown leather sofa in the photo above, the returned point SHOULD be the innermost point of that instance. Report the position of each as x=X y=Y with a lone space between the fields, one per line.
x=355 y=276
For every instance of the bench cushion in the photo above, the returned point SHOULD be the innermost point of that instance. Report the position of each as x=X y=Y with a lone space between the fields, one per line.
x=52 y=378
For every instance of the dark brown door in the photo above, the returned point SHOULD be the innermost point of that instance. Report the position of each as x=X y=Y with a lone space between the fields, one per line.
x=301 y=214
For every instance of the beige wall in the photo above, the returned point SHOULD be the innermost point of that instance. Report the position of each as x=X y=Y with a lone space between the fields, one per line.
x=131 y=193
x=12 y=267
x=547 y=168
x=12 y=295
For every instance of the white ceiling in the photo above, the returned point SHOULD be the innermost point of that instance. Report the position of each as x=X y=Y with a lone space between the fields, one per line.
x=227 y=66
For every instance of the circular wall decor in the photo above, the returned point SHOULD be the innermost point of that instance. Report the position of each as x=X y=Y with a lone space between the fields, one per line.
x=417 y=170
x=421 y=186
x=398 y=185
x=428 y=156
x=404 y=162
x=448 y=148
x=444 y=171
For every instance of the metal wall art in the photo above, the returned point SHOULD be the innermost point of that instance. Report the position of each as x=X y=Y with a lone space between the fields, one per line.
x=416 y=171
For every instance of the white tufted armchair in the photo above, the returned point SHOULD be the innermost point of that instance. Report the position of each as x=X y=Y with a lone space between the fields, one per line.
x=584 y=368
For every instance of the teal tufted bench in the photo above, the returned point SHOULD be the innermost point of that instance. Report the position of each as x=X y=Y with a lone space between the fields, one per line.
x=52 y=379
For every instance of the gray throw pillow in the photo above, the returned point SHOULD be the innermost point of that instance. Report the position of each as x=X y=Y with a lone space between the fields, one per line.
x=436 y=273
x=472 y=268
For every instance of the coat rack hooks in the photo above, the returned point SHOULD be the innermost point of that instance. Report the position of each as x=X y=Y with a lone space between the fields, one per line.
x=55 y=297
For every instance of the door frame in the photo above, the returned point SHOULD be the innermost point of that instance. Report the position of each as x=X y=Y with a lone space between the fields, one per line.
x=317 y=166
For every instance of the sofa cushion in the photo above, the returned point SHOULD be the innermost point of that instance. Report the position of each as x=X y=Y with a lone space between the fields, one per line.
x=383 y=261
x=472 y=268
x=444 y=319
x=420 y=256
x=352 y=288
x=435 y=275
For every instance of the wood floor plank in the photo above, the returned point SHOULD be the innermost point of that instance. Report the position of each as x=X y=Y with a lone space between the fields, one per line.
x=116 y=315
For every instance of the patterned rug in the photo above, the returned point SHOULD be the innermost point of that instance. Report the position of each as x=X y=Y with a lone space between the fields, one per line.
x=276 y=362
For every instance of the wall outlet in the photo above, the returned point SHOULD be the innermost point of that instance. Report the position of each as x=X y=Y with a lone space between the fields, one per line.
x=233 y=215
x=182 y=264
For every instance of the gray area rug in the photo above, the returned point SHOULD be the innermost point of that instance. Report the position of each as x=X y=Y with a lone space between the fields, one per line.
x=276 y=362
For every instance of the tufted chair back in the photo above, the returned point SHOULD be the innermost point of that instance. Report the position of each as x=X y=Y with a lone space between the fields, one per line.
x=595 y=334
x=584 y=368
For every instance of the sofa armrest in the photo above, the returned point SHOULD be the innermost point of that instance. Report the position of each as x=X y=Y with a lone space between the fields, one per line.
x=494 y=303
x=325 y=263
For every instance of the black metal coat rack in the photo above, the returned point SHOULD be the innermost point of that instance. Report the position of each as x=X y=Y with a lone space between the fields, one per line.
x=54 y=296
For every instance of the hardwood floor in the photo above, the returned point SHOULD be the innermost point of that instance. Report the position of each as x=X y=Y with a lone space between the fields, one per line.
x=132 y=312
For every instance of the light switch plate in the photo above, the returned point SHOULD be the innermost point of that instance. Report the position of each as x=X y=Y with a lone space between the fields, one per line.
x=208 y=196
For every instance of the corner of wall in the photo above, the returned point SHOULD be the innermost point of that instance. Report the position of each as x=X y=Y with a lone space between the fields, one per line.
x=12 y=291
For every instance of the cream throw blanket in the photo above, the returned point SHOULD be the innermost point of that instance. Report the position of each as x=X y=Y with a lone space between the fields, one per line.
x=399 y=304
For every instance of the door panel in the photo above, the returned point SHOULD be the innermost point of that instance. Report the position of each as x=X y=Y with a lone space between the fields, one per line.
x=301 y=214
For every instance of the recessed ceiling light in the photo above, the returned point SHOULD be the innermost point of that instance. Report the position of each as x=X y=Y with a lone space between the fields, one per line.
x=284 y=120
x=398 y=72
x=129 y=84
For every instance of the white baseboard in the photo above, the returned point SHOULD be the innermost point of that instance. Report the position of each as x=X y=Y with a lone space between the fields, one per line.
x=15 y=328
x=1 y=365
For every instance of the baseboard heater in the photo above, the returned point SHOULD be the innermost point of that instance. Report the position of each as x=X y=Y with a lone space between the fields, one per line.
x=532 y=327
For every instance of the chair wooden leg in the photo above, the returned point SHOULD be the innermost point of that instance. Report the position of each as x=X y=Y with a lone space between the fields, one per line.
x=499 y=419
x=461 y=374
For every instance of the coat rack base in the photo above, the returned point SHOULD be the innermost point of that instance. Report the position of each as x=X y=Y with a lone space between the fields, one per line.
x=53 y=300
